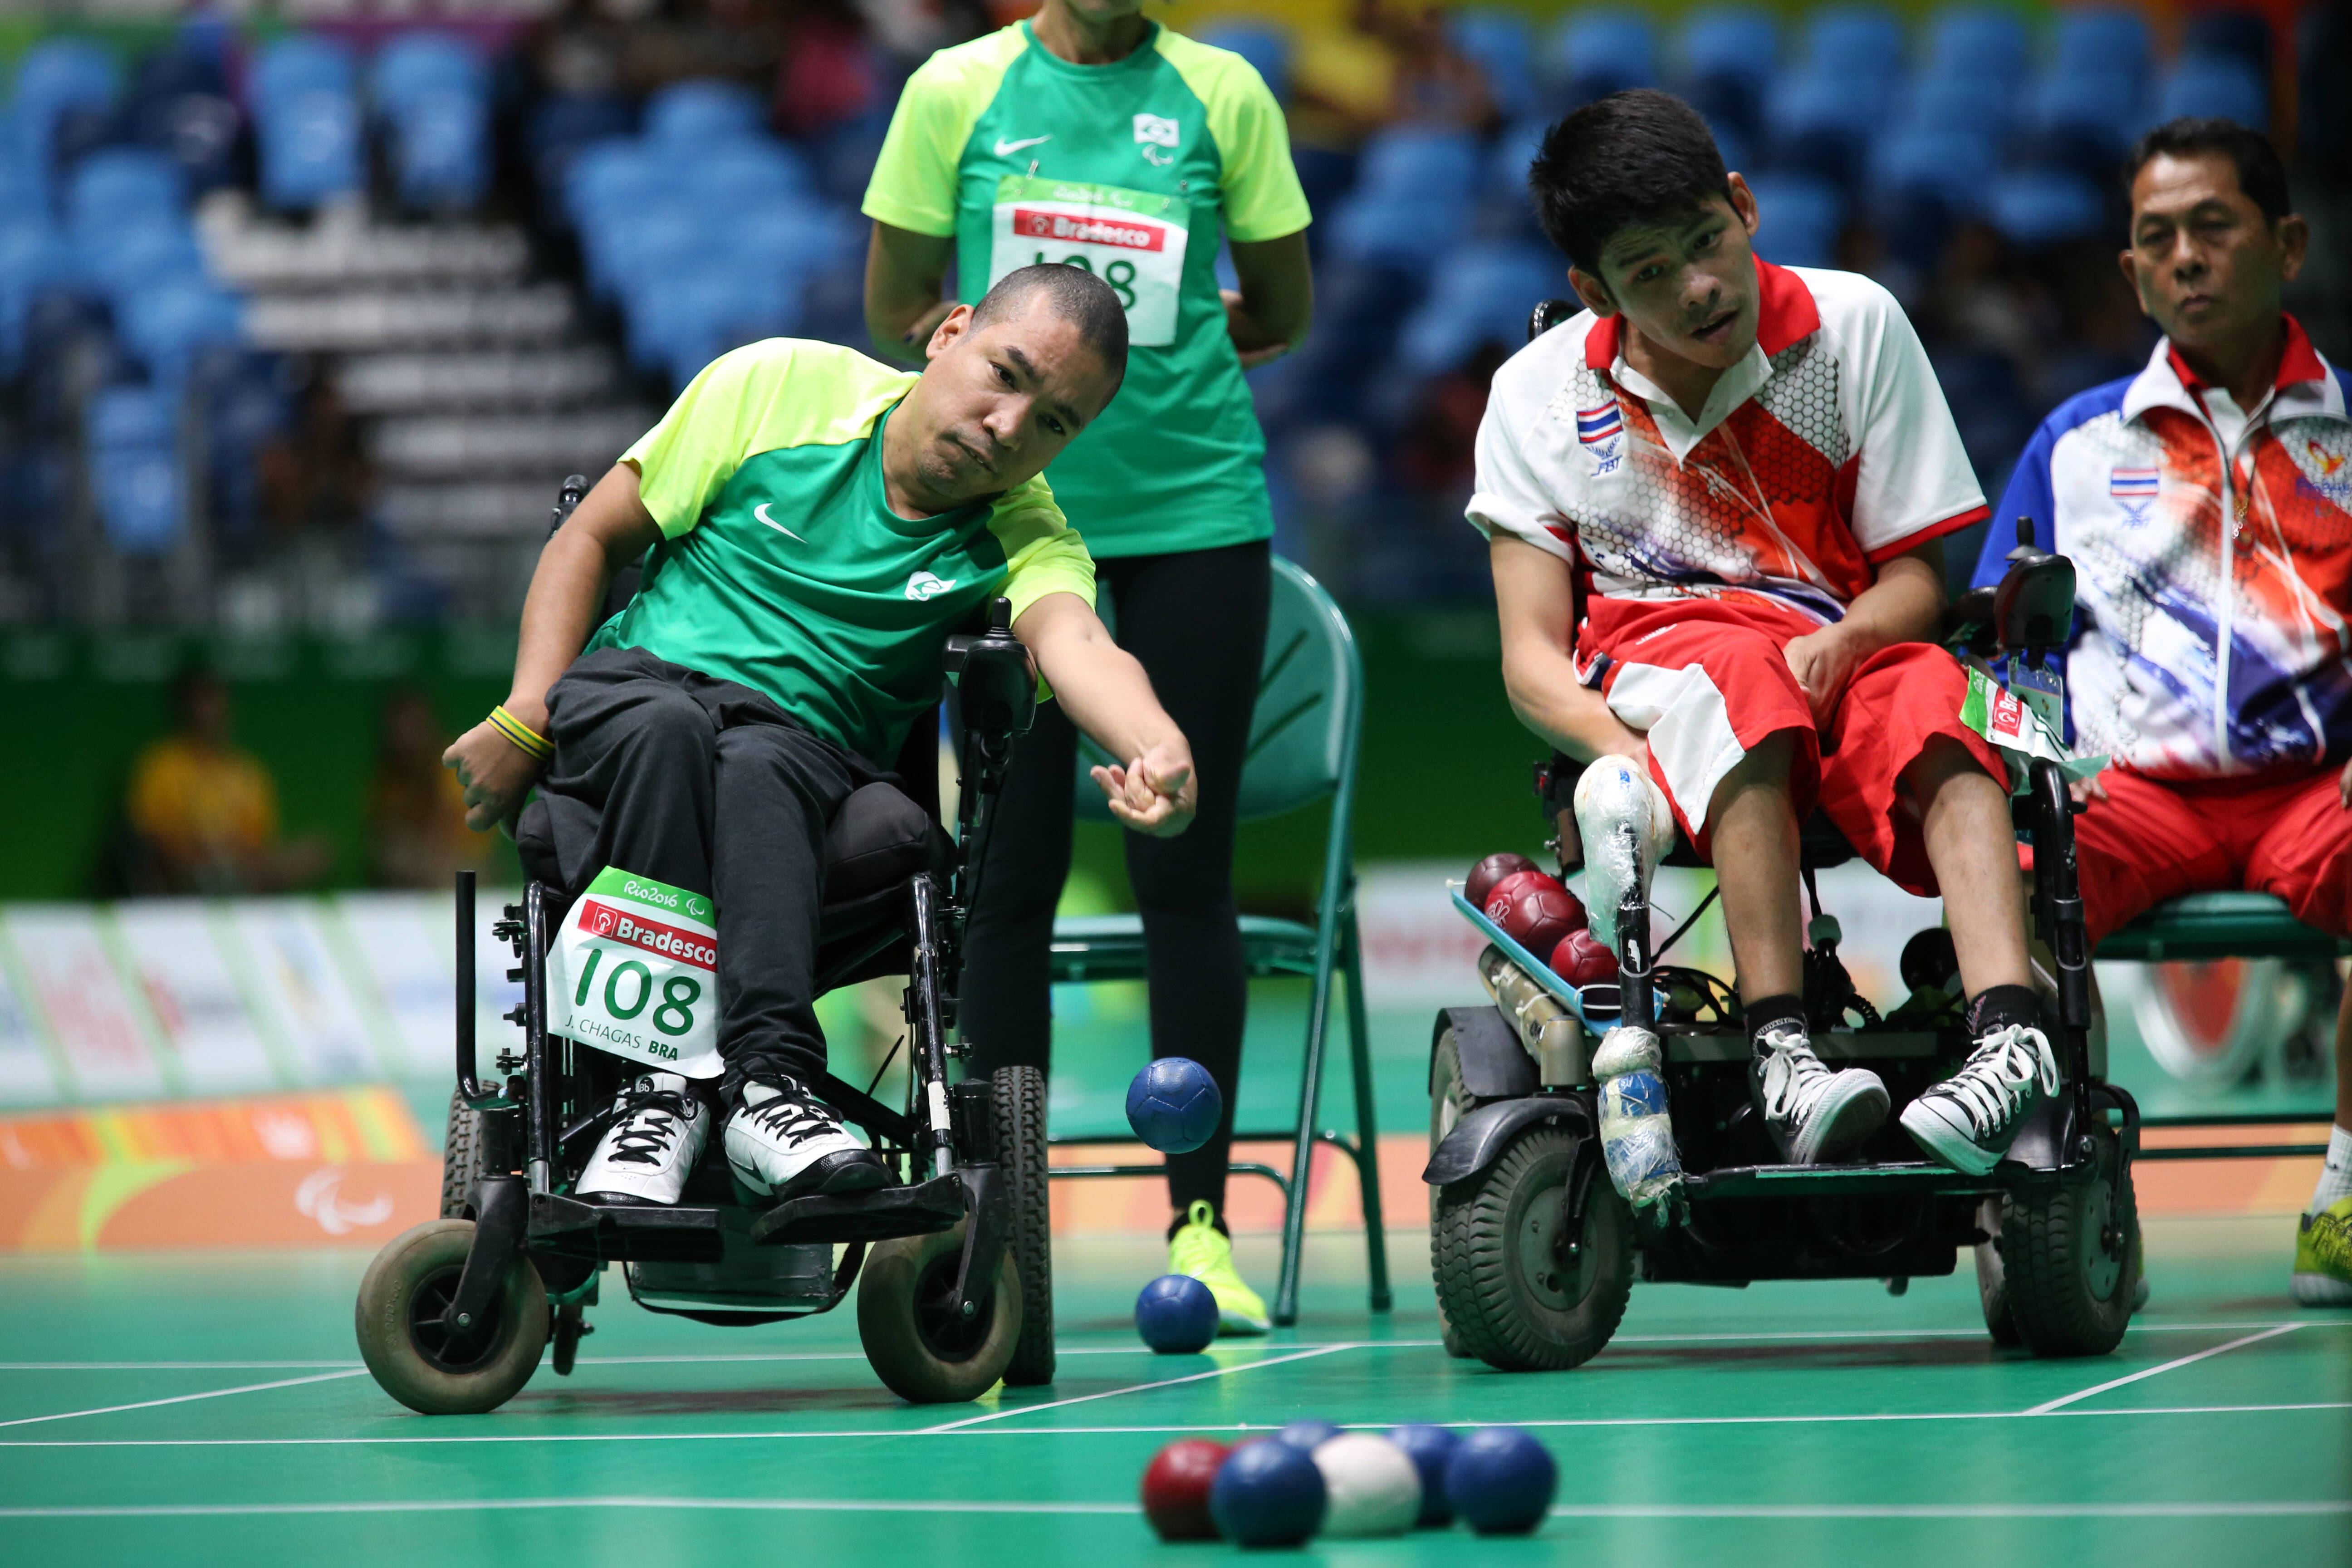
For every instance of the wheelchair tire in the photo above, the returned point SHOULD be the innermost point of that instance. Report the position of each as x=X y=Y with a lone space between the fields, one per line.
x=1993 y=1281
x=1507 y=1288
x=2070 y=1258
x=922 y=1354
x=1017 y=1105
x=401 y=1299
x=1448 y=1103
x=461 y=1160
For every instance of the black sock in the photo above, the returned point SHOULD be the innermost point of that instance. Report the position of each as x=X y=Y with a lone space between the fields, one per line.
x=1767 y=1012
x=1998 y=1006
x=1184 y=1217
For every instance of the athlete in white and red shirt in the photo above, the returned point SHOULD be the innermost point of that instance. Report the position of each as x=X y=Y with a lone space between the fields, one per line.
x=1714 y=502
x=2206 y=505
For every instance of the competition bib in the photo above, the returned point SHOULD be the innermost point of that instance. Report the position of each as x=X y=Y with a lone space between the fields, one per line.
x=1132 y=241
x=635 y=972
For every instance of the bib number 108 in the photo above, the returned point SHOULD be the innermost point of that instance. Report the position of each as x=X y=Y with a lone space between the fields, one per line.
x=1119 y=274
x=679 y=993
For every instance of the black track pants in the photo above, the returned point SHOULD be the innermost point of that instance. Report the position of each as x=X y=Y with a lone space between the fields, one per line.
x=1197 y=622
x=708 y=785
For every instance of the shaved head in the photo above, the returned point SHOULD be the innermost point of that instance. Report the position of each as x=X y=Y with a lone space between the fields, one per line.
x=1074 y=294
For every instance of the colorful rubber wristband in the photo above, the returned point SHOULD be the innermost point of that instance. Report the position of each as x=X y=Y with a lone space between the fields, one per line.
x=530 y=740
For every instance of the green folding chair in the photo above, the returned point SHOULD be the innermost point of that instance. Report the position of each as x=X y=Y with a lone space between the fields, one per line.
x=1303 y=745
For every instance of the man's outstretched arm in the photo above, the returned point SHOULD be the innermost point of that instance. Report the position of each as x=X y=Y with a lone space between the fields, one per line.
x=609 y=528
x=1106 y=695
x=1535 y=599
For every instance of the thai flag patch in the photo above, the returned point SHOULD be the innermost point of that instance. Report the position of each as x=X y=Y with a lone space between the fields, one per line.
x=1596 y=427
x=2133 y=484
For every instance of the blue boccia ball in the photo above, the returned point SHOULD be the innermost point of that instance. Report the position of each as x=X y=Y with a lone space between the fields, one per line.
x=1306 y=1435
x=1500 y=1480
x=1267 y=1494
x=1176 y=1315
x=1431 y=1449
x=1173 y=1105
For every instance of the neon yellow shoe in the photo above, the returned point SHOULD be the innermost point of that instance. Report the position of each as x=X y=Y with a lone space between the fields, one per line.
x=2323 y=1258
x=1201 y=1250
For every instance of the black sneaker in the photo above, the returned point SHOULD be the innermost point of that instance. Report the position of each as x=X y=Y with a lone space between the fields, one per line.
x=1815 y=1114
x=784 y=1142
x=1969 y=1120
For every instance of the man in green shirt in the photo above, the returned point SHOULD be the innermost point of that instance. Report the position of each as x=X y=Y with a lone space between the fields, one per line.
x=818 y=522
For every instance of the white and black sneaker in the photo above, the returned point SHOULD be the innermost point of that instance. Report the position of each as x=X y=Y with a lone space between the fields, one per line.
x=660 y=1129
x=1815 y=1114
x=784 y=1142
x=1969 y=1120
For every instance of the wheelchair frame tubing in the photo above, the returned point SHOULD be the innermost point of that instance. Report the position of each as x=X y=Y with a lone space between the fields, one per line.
x=2057 y=890
x=537 y=1058
x=925 y=1017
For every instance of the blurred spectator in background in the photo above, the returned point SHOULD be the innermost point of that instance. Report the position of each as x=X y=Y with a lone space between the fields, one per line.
x=204 y=814
x=739 y=39
x=315 y=477
x=829 y=74
x=416 y=809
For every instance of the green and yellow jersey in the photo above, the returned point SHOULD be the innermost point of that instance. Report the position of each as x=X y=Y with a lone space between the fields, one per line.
x=782 y=566
x=1129 y=170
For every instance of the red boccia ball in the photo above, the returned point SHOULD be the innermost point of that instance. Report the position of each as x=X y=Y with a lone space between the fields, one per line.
x=1583 y=961
x=1534 y=910
x=1176 y=1489
x=1491 y=870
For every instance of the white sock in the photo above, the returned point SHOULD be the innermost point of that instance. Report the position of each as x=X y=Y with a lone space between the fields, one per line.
x=2335 y=1174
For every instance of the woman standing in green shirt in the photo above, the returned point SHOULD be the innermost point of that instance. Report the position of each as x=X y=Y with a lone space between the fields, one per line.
x=1091 y=136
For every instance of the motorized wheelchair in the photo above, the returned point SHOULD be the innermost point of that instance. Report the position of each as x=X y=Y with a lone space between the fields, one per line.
x=1534 y=1251
x=951 y=1266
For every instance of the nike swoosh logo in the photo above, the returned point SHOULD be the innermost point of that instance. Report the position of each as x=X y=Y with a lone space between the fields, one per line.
x=760 y=512
x=1006 y=149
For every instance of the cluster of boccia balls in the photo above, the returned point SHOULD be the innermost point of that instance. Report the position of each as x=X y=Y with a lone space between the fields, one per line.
x=1542 y=916
x=1311 y=1478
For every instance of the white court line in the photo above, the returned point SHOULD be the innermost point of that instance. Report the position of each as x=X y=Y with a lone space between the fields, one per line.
x=1133 y=1388
x=1765 y=1336
x=394 y=1441
x=2168 y=1366
x=2154 y=1510
x=184 y=1398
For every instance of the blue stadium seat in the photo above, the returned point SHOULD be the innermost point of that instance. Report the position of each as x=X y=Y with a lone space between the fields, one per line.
x=119 y=261
x=1502 y=46
x=32 y=258
x=1800 y=217
x=2100 y=38
x=166 y=325
x=615 y=178
x=310 y=145
x=744 y=174
x=415 y=66
x=1481 y=293
x=651 y=241
x=703 y=112
x=441 y=149
x=1823 y=125
x=122 y=187
x=1404 y=234
x=2097 y=113
x=2241 y=35
x=1595 y=53
x=1267 y=47
x=1953 y=163
x=132 y=435
x=2217 y=87
x=58 y=75
x=1989 y=104
x=1419 y=163
x=692 y=318
x=2035 y=207
x=1855 y=44
x=1974 y=41
x=1507 y=161
x=1729 y=58
x=300 y=63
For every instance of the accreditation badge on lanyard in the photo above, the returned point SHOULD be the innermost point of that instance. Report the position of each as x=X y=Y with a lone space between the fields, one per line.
x=1132 y=241
x=635 y=972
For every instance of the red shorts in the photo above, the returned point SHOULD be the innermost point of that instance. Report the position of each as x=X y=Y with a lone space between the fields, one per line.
x=2153 y=839
x=1705 y=680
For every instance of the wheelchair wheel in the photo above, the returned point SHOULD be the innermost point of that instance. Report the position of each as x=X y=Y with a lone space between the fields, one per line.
x=1448 y=1102
x=1522 y=1291
x=1017 y=1104
x=1993 y=1281
x=925 y=1356
x=461 y=1160
x=2070 y=1258
x=402 y=1297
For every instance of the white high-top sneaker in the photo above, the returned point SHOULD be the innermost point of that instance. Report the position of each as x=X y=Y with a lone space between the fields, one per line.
x=1814 y=1113
x=784 y=1142
x=1969 y=1120
x=646 y=1156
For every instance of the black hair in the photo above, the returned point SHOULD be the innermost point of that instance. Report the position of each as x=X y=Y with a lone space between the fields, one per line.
x=1076 y=295
x=2259 y=173
x=1637 y=157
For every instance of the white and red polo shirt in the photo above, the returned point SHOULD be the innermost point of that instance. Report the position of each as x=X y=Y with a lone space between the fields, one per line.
x=2213 y=550
x=1827 y=451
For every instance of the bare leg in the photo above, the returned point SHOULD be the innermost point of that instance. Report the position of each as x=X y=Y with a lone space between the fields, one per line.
x=1964 y=816
x=1754 y=848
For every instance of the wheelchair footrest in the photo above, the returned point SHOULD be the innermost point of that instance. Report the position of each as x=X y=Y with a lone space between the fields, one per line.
x=1839 y=1181
x=609 y=1231
x=877 y=1216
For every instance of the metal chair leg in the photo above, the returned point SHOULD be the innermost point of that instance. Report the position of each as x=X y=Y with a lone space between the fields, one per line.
x=1294 y=1212
x=1368 y=1126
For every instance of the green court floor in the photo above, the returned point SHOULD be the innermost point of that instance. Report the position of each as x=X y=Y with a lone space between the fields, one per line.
x=188 y=1411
